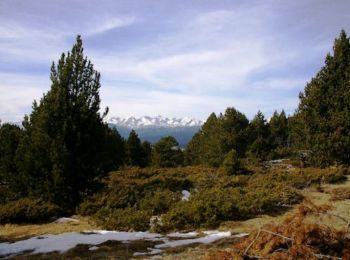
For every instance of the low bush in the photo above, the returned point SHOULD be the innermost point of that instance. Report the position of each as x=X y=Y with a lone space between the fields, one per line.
x=209 y=208
x=132 y=196
x=159 y=201
x=27 y=210
x=127 y=219
x=204 y=209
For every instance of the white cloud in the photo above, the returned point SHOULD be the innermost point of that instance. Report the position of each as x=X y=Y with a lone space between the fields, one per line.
x=109 y=24
x=17 y=93
x=241 y=56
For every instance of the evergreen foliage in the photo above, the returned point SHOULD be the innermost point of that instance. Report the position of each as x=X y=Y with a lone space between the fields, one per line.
x=66 y=145
x=167 y=153
x=218 y=136
x=232 y=164
x=259 y=133
x=325 y=107
x=11 y=182
x=134 y=154
x=146 y=153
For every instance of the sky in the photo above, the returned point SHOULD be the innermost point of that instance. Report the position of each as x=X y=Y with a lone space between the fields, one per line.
x=171 y=58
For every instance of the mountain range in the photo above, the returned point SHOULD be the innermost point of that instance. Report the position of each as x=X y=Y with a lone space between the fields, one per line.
x=153 y=128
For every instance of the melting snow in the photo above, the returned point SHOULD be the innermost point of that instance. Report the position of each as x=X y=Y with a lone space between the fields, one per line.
x=65 y=220
x=66 y=241
x=209 y=238
x=183 y=235
x=185 y=195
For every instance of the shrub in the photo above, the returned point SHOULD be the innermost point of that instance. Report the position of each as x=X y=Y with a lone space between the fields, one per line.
x=232 y=163
x=27 y=210
x=159 y=202
x=123 y=219
x=204 y=209
x=208 y=208
x=132 y=196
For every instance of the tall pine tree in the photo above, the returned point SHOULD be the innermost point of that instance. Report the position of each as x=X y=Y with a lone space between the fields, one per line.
x=325 y=107
x=64 y=148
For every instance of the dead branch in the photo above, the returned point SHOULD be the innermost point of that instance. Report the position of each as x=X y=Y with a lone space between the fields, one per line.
x=250 y=245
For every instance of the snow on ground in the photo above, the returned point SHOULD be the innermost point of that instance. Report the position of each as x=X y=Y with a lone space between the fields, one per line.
x=65 y=220
x=185 y=195
x=207 y=239
x=183 y=235
x=66 y=241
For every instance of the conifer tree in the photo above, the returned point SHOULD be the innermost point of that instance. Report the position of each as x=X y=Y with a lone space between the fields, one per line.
x=258 y=133
x=211 y=152
x=167 y=153
x=63 y=149
x=234 y=134
x=325 y=107
x=146 y=153
x=134 y=152
x=279 y=134
x=10 y=136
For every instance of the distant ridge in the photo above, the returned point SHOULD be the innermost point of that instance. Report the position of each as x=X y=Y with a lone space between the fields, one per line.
x=153 y=128
x=157 y=121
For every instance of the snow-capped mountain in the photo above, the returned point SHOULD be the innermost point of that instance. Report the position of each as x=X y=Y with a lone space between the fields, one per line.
x=158 y=121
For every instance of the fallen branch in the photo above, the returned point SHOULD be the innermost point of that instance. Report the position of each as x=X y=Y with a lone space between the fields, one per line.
x=250 y=245
x=276 y=234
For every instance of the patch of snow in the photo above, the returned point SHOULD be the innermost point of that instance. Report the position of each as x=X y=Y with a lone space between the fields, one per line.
x=241 y=235
x=63 y=242
x=185 y=195
x=66 y=241
x=152 y=251
x=65 y=220
x=183 y=235
x=209 y=238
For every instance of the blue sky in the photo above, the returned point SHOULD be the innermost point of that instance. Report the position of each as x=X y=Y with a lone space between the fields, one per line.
x=172 y=58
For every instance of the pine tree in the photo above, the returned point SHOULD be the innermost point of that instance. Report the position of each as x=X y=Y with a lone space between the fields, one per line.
x=234 y=135
x=10 y=136
x=258 y=133
x=167 y=153
x=63 y=149
x=146 y=154
x=193 y=150
x=211 y=152
x=279 y=135
x=134 y=152
x=325 y=107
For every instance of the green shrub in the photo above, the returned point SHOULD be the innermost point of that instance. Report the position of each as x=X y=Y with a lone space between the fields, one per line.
x=204 y=209
x=123 y=219
x=27 y=210
x=132 y=196
x=159 y=201
x=232 y=164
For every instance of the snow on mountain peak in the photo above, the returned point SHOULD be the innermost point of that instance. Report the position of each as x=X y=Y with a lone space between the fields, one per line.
x=157 y=121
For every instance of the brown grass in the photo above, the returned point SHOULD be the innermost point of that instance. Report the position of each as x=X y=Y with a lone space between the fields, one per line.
x=11 y=232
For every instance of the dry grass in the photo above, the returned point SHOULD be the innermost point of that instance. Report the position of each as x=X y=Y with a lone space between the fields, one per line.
x=341 y=208
x=16 y=232
x=341 y=193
